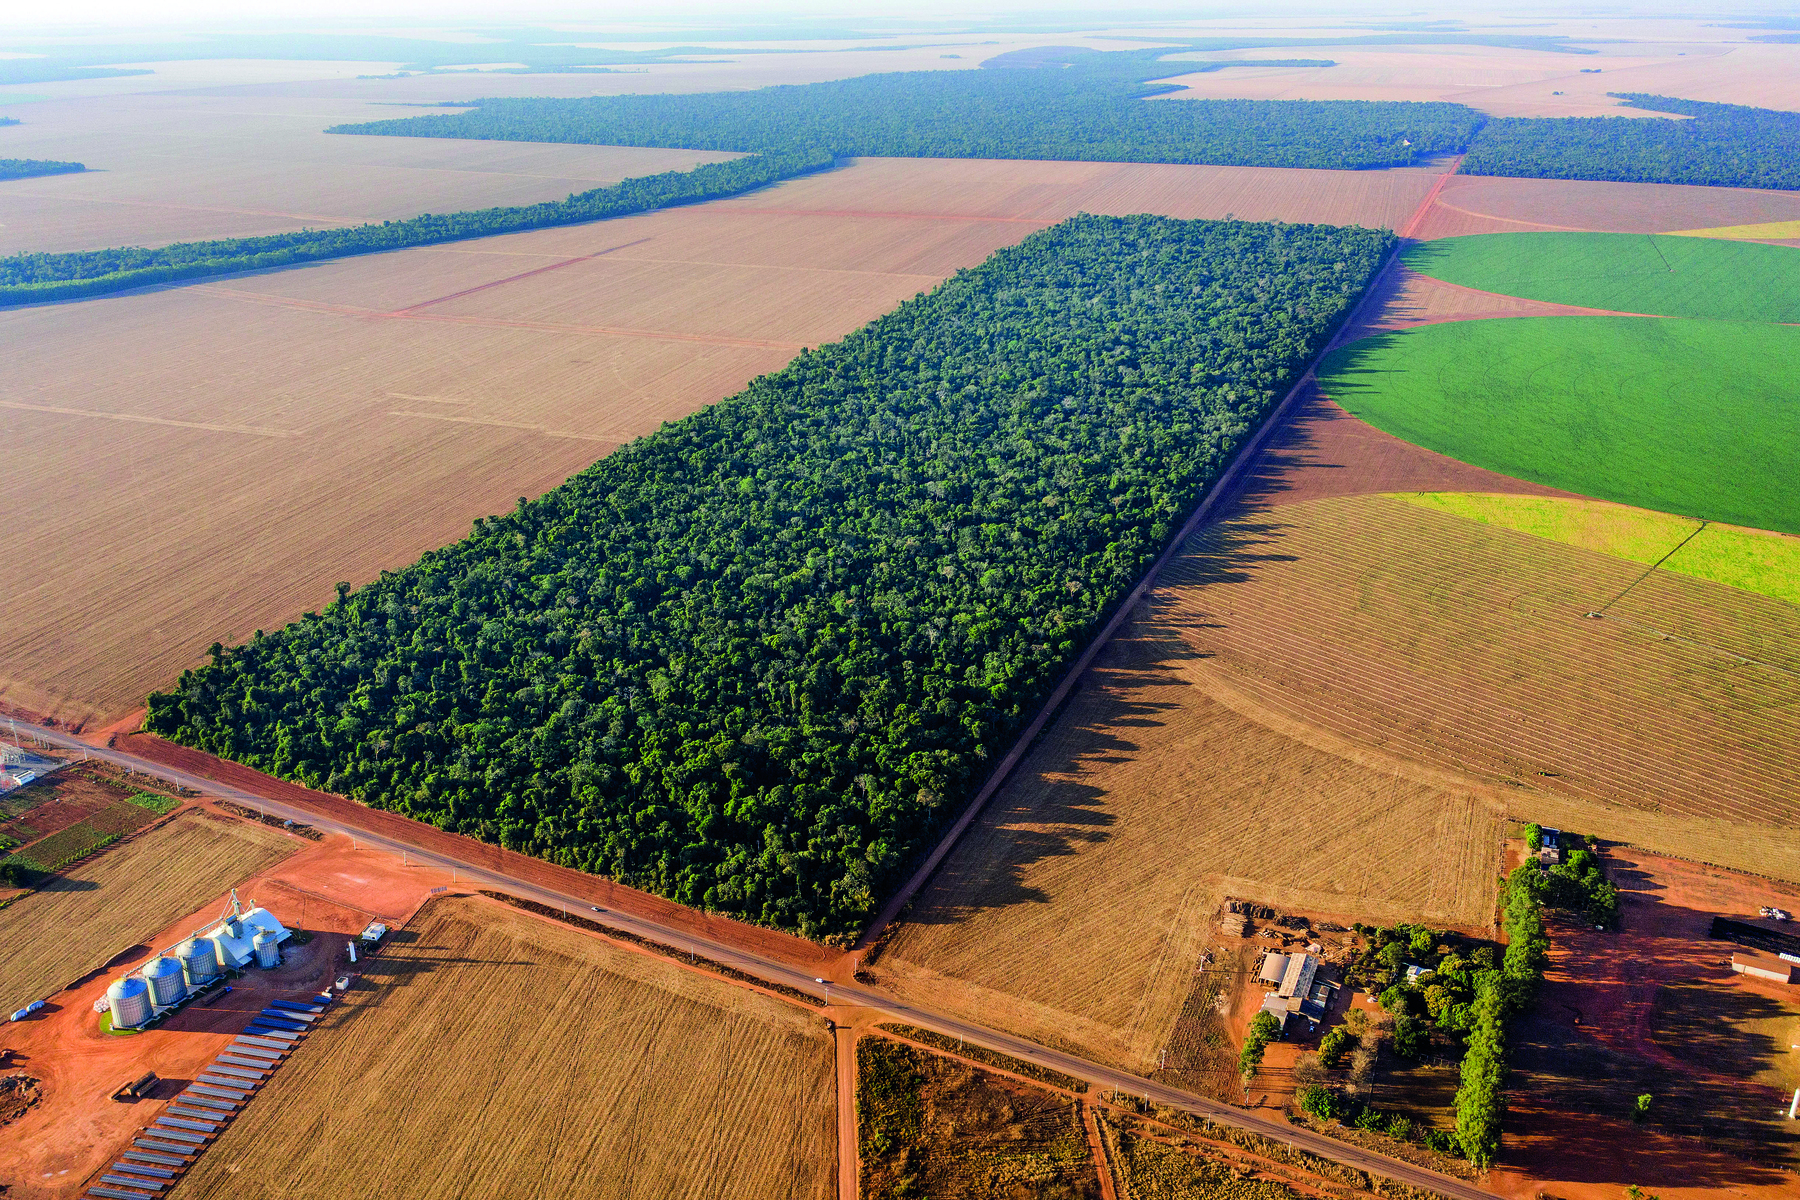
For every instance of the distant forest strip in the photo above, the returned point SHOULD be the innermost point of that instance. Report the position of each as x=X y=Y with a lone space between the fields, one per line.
x=34 y=278
x=756 y=660
x=1724 y=145
x=1076 y=105
x=30 y=168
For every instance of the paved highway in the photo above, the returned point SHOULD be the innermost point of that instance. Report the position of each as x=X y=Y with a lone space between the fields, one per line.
x=776 y=972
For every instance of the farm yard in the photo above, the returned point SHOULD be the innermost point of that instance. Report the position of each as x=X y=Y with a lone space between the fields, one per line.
x=1078 y=906
x=348 y=416
x=107 y=904
x=1652 y=1009
x=479 y=1024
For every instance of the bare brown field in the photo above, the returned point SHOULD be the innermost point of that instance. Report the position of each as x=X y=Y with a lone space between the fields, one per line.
x=1320 y=450
x=269 y=435
x=1491 y=204
x=1521 y=83
x=1404 y=299
x=1466 y=648
x=1076 y=909
x=105 y=905
x=177 y=167
x=489 y=1053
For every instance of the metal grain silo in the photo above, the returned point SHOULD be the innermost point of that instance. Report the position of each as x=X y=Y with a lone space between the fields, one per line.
x=268 y=950
x=198 y=962
x=129 y=1000
x=166 y=985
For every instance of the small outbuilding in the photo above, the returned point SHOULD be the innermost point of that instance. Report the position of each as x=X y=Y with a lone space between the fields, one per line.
x=1766 y=967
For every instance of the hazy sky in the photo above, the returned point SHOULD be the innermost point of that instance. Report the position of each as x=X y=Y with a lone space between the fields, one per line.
x=136 y=15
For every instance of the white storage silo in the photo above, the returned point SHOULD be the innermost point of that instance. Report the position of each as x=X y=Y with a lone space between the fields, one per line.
x=166 y=985
x=129 y=999
x=198 y=962
x=268 y=950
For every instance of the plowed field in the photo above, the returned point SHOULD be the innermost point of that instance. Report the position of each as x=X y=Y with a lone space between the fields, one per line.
x=243 y=445
x=109 y=903
x=1672 y=722
x=493 y=1054
x=1076 y=909
x=1480 y=204
x=175 y=167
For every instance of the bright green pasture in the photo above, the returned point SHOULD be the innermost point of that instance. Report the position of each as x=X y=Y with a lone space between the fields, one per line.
x=1698 y=418
x=1658 y=274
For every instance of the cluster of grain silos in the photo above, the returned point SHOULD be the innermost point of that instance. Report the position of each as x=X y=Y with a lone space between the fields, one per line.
x=240 y=939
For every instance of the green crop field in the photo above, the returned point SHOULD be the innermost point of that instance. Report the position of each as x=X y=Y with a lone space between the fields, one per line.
x=1750 y=559
x=1661 y=275
x=1699 y=418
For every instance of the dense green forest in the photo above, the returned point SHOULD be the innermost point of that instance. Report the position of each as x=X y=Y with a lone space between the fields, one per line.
x=1075 y=105
x=1724 y=145
x=755 y=660
x=25 y=278
x=27 y=168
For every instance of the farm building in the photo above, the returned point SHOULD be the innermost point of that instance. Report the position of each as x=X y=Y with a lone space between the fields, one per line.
x=1299 y=992
x=1763 y=966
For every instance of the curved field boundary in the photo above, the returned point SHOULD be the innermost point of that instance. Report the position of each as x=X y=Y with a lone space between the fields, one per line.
x=1454 y=643
x=1750 y=559
x=1667 y=275
x=1691 y=417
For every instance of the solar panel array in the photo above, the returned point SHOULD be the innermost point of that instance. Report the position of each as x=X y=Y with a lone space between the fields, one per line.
x=174 y=1141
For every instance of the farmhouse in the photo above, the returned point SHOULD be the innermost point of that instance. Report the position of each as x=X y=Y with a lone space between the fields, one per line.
x=1299 y=991
x=1763 y=966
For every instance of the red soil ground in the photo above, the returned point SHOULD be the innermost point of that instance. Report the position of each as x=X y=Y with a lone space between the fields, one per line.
x=1480 y=204
x=76 y=1129
x=1321 y=450
x=1604 y=984
x=784 y=947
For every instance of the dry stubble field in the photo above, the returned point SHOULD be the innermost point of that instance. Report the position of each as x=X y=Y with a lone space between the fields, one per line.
x=1491 y=204
x=1075 y=911
x=181 y=166
x=244 y=444
x=1466 y=647
x=1691 y=60
x=494 y=1054
x=110 y=903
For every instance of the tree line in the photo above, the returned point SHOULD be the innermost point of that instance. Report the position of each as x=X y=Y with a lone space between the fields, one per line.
x=1090 y=109
x=1723 y=145
x=34 y=277
x=28 y=168
x=753 y=662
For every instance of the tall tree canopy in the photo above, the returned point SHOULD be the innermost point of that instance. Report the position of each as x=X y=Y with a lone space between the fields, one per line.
x=755 y=660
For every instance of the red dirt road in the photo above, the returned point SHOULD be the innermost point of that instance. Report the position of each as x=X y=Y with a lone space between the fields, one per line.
x=804 y=955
